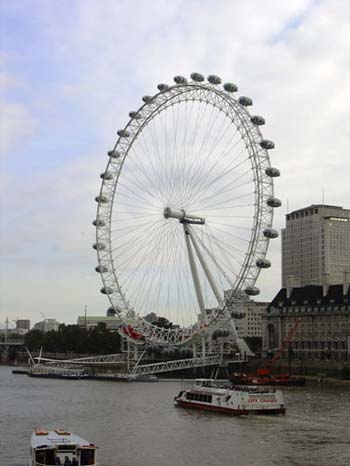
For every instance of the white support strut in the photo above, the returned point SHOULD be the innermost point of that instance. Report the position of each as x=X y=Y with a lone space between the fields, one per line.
x=194 y=272
x=205 y=267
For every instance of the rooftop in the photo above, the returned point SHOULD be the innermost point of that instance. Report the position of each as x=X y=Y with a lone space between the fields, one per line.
x=317 y=206
x=50 y=438
x=311 y=295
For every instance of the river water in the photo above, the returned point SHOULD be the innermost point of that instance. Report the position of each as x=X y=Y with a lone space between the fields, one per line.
x=137 y=424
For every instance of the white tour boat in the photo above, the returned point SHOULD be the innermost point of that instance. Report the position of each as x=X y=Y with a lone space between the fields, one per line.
x=210 y=395
x=60 y=447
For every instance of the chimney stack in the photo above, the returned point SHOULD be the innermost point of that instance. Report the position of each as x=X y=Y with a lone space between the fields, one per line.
x=325 y=281
x=292 y=282
x=346 y=281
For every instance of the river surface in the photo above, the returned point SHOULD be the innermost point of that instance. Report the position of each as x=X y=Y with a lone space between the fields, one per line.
x=137 y=424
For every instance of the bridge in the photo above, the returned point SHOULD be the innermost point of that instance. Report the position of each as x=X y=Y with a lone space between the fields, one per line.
x=117 y=365
x=6 y=345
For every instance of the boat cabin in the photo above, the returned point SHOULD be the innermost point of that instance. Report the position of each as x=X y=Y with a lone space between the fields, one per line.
x=211 y=383
x=60 y=447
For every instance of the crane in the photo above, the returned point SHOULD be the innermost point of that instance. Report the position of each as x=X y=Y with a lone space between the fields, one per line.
x=278 y=355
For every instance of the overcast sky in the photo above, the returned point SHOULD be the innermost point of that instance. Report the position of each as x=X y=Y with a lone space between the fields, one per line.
x=72 y=70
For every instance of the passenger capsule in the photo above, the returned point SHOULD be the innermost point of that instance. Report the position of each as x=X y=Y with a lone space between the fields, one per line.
x=270 y=233
x=267 y=144
x=99 y=246
x=123 y=133
x=197 y=77
x=273 y=172
x=113 y=154
x=101 y=269
x=163 y=87
x=101 y=199
x=252 y=291
x=273 y=202
x=147 y=98
x=230 y=87
x=213 y=79
x=180 y=80
x=257 y=120
x=106 y=290
x=245 y=101
x=263 y=263
x=98 y=223
x=106 y=176
x=135 y=115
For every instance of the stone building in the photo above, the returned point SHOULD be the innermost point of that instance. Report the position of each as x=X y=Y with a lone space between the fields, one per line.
x=249 y=323
x=317 y=319
x=111 y=322
x=47 y=325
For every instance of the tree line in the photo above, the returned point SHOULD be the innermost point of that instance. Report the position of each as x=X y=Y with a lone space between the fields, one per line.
x=75 y=339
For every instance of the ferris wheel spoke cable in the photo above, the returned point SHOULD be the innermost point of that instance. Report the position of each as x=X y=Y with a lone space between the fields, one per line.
x=131 y=246
x=223 y=205
x=217 y=258
x=192 y=143
x=163 y=182
x=182 y=148
x=134 y=180
x=237 y=206
x=152 y=187
x=223 y=174
x=136 y=194
x=144 y=279
x=231 y=236
x=167 y=149
x=224 y=246
x=201 y=150
x=145 y=237
x=221 y=192
x=162 y=273
x=223 y=152
x=132 y=225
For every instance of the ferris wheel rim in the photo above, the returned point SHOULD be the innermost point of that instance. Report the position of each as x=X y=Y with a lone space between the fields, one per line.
x=263 y=213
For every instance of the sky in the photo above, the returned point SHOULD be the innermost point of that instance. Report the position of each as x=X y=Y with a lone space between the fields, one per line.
x=70 y=71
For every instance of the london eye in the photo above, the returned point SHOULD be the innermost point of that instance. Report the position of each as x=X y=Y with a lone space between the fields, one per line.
x=185 y=208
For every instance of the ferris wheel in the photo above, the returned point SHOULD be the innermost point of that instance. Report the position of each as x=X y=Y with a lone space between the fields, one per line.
x=185 y=209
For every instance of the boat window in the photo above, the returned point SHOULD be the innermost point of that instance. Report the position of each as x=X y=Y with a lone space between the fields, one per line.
x=199 y=397
x=45 y=457
x=87 y=456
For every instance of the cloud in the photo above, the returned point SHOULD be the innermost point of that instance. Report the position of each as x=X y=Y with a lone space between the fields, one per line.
x=17 y=126
x=88 y=64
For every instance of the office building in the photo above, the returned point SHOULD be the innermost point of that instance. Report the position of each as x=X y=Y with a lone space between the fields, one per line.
x=315 y=246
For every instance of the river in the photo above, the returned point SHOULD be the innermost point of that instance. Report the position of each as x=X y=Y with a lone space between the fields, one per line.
x=137 y=424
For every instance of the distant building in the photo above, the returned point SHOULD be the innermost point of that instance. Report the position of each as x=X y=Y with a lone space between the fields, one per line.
x=47 y=325
x=249 y=324
x=320 y=316
x=315 y=246
x=111 y=322
x=247 y=315
x=23 y=324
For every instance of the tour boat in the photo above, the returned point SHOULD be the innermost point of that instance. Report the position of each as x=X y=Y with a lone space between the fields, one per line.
x=208 y=394
x=60 y=447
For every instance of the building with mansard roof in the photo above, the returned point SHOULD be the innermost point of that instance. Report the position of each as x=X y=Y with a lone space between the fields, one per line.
x=315 y=321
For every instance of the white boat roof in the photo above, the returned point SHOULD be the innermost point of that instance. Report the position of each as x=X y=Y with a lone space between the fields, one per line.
x=51 y=438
